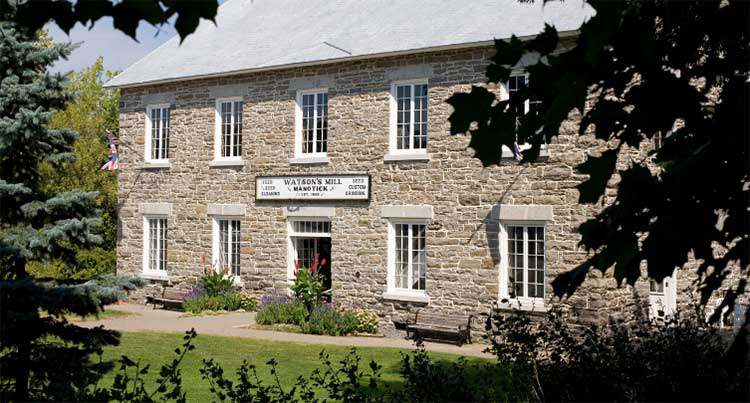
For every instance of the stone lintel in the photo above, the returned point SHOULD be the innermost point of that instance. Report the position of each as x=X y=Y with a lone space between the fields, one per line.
x=309 y=83
x=413 y=72
x=309 y=211
x=237 y=210
x=227 y=91
x=156 y=208
x=530 y=212
x=420 y=212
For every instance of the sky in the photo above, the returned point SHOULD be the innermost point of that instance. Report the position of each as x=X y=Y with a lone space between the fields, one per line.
x=118 y=50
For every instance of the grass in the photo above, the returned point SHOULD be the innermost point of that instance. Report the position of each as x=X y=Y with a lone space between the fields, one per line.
x=294 y=359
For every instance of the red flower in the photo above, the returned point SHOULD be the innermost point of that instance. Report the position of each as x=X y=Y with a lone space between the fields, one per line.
x=203 y=259
x=312 y=269
x=323 y=262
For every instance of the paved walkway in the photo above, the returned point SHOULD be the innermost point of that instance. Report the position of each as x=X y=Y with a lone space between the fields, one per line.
x=235 y=325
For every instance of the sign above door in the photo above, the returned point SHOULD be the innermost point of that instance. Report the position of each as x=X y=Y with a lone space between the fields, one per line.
x=313 y=187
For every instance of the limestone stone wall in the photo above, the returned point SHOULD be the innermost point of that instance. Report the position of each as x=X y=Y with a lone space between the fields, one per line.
x=462 y=238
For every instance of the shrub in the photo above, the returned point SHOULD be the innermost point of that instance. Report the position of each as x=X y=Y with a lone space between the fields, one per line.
x=308 y=287
x=230 y=301
x=289 y=312
x=216 y=282
x=324 y=319
x=367 y=321
x=679 y=360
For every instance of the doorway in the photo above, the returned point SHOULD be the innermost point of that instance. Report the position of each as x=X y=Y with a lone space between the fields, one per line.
x=663 y=297
x=310 y=244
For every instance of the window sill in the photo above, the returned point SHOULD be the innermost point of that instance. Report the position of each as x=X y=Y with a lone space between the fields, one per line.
x=526 y=305
x=406 y=157
x=309 y=160
x=155 y=276
x=226 y=163
x=543 y=153
x=407 y=297
x=156 y=165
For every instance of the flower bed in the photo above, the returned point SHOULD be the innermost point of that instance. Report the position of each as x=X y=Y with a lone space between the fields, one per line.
x=215 y=292
x=322 y=318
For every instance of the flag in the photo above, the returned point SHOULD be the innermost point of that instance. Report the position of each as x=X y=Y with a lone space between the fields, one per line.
x=111 y=164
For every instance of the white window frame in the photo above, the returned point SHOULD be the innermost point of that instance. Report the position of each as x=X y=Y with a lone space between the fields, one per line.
x=504 y=298
x=504 y=96
x=217 y=256
x=393 y=120
x=666 y=300
x=217 y=128
x=317 y=156
x=149 y=126
x=147 y=271
x=394 y=292
x=292 y=234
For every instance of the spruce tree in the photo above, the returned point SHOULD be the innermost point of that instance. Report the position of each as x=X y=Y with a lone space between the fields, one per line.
x=42 y=356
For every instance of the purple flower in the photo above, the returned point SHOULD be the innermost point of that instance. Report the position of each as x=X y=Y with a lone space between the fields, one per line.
x=197 y=291
x=273 y=299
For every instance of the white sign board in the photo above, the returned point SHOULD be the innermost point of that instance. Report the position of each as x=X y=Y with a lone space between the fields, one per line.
x=313 y=187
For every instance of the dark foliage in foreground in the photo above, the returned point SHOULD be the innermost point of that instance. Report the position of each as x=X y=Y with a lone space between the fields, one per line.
x=668 y=71
x=555 y=360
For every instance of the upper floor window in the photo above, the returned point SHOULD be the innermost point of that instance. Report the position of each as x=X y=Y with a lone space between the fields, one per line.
x=157 y=133
x=311 y=128
x=228 y=139
x=513 y=87
x=408 y=132
x=523 y=263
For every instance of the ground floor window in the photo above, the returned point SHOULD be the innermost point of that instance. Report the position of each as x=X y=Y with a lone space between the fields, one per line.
x=310 y=245
x=523 y=262
x=155 y=245
x=407 y=256
x=226 y=245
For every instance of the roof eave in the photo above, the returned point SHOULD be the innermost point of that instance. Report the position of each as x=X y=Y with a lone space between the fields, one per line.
x=467 y=45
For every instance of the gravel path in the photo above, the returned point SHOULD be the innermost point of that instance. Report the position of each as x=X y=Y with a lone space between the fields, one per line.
x=235 y=325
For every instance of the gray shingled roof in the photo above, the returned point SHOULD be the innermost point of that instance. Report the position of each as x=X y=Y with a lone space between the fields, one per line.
x=259 y=34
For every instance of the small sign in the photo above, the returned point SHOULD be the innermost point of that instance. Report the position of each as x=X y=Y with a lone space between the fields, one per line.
x=313 y=187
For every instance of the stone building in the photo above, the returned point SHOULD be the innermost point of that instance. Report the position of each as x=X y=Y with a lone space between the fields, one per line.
x=300 y=128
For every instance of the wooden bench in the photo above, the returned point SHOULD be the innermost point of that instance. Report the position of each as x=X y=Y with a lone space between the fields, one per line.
x=171 y=297
x=440 y=327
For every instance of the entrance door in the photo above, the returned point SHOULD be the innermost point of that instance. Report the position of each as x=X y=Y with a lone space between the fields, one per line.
x=315 y=250
x=663 y=298
x=310 y=242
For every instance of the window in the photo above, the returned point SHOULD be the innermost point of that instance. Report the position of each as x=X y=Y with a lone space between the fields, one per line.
x=523 y=262
x=409 y=117
x=226 y=246
x=311 y=124
x=228 y=140
x=407 y=257
x=513 y=87
x=663 y=297
x=309 y=239
x=155 y=245
x=157 y=133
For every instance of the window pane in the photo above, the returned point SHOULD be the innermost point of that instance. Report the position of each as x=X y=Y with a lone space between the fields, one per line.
x=235 y=248
x=402 y=255
x=420 y=116
x=515 y=260
x=308 y=123
x=322 y=123
x=237 y=132
x=403 y=116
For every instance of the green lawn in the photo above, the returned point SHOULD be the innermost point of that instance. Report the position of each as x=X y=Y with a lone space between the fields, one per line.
x=294 y=358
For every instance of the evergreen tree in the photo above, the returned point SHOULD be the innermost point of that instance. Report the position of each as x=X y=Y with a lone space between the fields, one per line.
x=42 y=356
